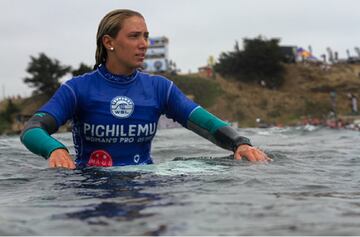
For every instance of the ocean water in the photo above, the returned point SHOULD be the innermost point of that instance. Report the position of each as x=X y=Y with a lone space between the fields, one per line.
x=194 y=188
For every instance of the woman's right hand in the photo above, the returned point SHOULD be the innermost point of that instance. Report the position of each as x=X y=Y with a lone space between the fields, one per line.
x=60 y=158
x=253 y=154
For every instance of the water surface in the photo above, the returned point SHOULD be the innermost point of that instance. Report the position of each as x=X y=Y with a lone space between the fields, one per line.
x=194 y=188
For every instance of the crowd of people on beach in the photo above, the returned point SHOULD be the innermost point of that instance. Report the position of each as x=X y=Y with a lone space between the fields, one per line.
x=335 y=123
x=332 y=122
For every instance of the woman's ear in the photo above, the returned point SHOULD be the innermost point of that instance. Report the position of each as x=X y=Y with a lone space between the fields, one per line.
x=107 y=41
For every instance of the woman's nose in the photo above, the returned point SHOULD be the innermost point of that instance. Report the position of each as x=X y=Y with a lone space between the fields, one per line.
x=144 y=42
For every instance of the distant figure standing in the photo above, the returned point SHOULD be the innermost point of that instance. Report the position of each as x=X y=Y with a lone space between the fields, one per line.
x=354 y=104
x=333 y=102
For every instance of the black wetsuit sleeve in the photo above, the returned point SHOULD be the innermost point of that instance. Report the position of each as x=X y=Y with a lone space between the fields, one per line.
x=41 y=120
x=215 y=130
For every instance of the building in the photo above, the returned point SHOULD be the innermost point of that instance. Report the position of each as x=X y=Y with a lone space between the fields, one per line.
x=157 y=55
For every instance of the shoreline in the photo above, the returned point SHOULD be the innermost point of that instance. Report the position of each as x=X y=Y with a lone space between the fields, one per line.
x=304 y=98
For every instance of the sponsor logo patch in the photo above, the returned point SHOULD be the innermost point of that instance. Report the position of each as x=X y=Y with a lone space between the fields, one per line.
x=100 y=158
x=121 y=107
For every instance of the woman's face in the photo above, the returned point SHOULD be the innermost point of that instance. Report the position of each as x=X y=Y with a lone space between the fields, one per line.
x=130 y=44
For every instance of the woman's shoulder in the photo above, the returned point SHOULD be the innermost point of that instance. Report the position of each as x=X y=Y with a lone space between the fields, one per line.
x=83 y=78
x=153 y=77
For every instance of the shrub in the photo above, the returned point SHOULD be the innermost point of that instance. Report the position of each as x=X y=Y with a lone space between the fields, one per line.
x=260 y=61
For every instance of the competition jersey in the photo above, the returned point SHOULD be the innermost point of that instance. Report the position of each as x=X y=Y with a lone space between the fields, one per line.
x=115 y=118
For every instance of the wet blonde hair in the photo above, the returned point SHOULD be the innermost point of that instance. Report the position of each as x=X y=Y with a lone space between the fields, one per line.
x=110 y=25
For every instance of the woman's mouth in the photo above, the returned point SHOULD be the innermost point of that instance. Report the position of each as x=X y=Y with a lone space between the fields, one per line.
x=140 y=56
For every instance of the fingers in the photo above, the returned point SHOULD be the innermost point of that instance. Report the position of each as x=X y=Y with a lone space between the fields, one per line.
x=71 y=164
x=52 y=163
x=61 y=159
x=237 y=156
x=62 y=162
x=253 y=154
x=260 y=156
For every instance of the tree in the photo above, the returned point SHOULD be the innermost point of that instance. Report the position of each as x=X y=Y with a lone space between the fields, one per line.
x=45 y=74
x=259 y=61
x=83 y=68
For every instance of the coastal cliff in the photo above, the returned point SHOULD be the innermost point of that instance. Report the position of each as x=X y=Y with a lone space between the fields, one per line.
x=305 y=94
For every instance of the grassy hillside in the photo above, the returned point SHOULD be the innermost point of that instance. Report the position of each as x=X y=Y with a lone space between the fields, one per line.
x=306 y=92
x=203 y=91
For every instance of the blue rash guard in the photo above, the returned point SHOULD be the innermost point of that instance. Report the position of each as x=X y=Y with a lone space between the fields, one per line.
x=115 y=117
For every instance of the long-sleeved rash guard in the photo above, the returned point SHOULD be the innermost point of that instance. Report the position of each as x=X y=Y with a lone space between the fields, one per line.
x=114 y=118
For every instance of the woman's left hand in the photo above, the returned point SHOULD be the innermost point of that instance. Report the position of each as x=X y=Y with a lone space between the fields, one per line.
x=253 y=154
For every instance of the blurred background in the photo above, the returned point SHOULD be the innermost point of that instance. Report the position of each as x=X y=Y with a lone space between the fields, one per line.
x=299 y=57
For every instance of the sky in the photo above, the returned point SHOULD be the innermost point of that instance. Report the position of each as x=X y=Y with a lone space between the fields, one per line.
x=65 y=29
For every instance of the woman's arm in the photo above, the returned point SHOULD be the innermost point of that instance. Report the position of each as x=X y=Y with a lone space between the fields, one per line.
x=217 y=131
x=214 y=129
x=194 y=117
x=36 y=137
x=36 y=134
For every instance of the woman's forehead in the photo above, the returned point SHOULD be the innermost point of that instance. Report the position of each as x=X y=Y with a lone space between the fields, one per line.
x=134 y=23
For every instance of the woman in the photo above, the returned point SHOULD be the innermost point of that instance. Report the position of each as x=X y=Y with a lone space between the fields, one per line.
x=115 y=108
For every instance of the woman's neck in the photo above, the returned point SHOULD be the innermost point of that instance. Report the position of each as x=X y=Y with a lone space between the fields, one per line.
x=118 y=78
x=118 y=69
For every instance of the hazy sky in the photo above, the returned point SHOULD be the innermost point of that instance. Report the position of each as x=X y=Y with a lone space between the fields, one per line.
x=65 y=29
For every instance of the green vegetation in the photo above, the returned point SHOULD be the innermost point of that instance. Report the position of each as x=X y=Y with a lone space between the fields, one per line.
x=205 y=91
x=260 y=61
x=7 y=115
x=315 y=108
x=304 y=90
x=83 y=68
x=45 y=74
